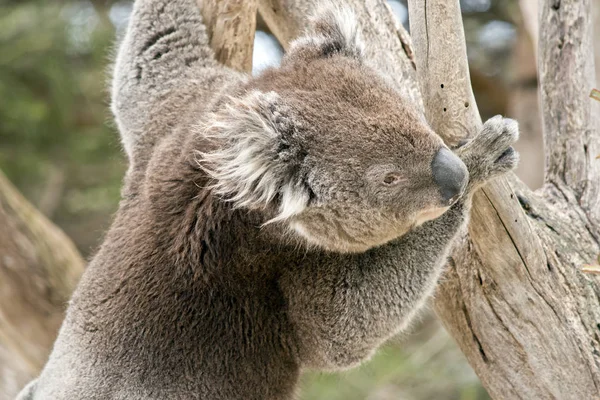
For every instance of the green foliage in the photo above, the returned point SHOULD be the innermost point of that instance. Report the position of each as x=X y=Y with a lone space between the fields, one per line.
x=55 y=142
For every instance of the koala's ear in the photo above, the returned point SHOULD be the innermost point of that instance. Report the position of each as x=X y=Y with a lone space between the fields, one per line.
x=333 y=29
x=254 y=162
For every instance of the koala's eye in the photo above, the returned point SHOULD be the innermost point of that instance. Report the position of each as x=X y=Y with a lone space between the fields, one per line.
x=392 y=179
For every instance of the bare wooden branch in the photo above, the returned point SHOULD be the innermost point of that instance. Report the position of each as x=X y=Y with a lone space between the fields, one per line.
x=515 y=282
x=443 y=76
x=571 y=120
x=231 y=25
x=39 y=268
x=393 y=55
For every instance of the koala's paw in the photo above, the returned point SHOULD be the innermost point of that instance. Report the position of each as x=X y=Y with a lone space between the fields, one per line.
x=489 y=154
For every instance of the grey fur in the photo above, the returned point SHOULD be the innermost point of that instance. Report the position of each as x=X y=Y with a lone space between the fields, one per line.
x=267 y=224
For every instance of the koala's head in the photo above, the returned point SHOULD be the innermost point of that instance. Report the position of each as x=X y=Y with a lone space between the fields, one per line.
x=325 y=145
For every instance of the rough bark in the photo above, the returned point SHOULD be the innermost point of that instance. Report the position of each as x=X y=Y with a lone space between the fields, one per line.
x=514 y=297
x=231 y=25
x=39 y=267
x=571 y=120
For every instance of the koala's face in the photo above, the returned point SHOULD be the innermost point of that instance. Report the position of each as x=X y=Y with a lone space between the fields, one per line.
x=368 y=159
x=350 y=164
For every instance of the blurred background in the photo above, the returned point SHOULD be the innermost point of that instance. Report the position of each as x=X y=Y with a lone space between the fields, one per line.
x=60 y=148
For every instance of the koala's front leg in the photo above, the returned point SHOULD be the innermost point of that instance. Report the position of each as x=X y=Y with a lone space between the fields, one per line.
x=165 y=43
x=489 y=154
x=344 y=306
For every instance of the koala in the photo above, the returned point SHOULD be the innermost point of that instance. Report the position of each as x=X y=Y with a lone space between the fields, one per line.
x=268 y=225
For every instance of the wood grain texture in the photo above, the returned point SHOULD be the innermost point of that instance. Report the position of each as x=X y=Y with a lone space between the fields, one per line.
x=443 y=76
x=231 y=25
x=571 y=119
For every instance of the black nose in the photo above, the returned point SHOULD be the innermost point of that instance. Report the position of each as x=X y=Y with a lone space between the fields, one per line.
x=450 y=174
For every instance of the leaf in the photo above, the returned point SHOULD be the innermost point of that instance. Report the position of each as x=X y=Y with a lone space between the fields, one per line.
x=595 y=94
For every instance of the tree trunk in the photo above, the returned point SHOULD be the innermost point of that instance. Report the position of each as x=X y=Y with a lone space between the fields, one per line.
x=39 y=268
x=513 y=297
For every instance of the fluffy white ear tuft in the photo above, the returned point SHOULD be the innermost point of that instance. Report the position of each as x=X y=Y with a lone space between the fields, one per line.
x=252 y=161
x=333 y=29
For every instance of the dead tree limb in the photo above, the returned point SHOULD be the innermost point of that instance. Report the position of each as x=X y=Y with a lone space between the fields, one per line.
x=39 y=268
x=514 y=297
x=231 y=25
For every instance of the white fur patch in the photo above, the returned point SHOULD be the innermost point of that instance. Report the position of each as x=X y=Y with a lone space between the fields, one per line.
x=245 y=165
x=293 y=202
x=430 y=214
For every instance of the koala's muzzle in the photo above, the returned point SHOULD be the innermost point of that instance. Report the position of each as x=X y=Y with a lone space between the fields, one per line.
x=450 y=174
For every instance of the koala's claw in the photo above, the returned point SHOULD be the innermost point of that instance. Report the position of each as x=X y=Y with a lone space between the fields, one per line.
x=489 y=154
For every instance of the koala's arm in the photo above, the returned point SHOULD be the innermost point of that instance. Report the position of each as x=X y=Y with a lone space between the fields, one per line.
x=344 y=306
x=164 y=68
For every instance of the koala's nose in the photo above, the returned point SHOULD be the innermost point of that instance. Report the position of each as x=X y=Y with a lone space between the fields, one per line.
x=450 y=174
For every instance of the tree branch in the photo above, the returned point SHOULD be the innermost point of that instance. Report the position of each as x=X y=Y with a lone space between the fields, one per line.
x=496 y=299
x=571 y=119
x=443 y=70
x=231 y=25
x=39 y=268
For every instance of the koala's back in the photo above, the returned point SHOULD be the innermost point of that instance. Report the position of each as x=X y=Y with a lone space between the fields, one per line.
x=155 y=313
x=158 y=316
